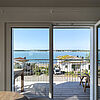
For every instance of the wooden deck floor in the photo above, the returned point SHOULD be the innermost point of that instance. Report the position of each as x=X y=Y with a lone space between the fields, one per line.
x=70 y=91
x=62 y=91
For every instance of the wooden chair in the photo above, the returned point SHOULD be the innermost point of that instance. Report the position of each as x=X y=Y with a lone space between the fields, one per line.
x=81 y=79
x=87 y=82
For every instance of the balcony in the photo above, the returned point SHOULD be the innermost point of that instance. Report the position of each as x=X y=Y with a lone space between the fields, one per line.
x=66 y=80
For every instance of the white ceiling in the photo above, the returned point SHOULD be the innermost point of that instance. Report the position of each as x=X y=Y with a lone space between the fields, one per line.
x=49 y=3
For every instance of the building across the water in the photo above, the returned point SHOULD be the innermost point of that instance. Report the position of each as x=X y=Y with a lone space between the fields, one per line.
x=72 y=63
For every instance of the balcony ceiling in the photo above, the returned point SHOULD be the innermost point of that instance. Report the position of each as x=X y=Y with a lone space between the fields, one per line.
x=49 y=3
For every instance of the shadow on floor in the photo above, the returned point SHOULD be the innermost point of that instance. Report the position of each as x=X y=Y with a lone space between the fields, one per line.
x=62 y=91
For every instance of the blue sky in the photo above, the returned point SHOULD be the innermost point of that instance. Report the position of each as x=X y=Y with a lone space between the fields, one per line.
x=72 y=39
x=32 y=38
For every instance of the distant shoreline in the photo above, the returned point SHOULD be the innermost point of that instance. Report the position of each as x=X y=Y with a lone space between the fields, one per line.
x=57 y=50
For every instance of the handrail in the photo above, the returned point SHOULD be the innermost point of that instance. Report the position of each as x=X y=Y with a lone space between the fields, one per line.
x=54 y=59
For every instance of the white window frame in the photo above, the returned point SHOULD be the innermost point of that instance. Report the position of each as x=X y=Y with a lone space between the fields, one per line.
x=8 y=78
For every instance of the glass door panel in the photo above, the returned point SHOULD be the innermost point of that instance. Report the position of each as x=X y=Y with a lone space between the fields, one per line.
x=71 y=59
x=30 y=53
x=98 y=50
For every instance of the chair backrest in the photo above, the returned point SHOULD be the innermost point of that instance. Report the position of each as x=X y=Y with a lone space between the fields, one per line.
x=87 y=74
x=88 y=78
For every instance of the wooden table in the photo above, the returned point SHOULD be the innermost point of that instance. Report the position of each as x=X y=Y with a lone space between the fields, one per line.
x=19 y=72
x=7 y=95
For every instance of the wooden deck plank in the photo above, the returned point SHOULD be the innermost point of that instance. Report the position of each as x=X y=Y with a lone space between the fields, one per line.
x=70 y=91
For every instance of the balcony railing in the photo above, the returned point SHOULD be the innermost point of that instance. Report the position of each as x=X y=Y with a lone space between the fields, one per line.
x=36 y=73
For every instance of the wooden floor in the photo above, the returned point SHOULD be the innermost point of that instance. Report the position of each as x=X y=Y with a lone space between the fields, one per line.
x=70 y=91
x=62 y=91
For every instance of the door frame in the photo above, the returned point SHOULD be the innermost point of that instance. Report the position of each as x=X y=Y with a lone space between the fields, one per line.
x=8 y=49
x=92 y=44
x=8 y=69
x=96 y=59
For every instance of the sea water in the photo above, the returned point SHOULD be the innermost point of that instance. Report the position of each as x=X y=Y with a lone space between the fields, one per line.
x=45 y=55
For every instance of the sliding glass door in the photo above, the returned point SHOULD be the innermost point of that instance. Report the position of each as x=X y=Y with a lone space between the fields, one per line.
x=98 y=61
x=30 y=57
x=35 y=66
x=71 y=60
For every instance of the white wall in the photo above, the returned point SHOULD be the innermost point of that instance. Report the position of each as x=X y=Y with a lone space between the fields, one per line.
x=52 y=15
x=2 y=56
x=44 y=14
